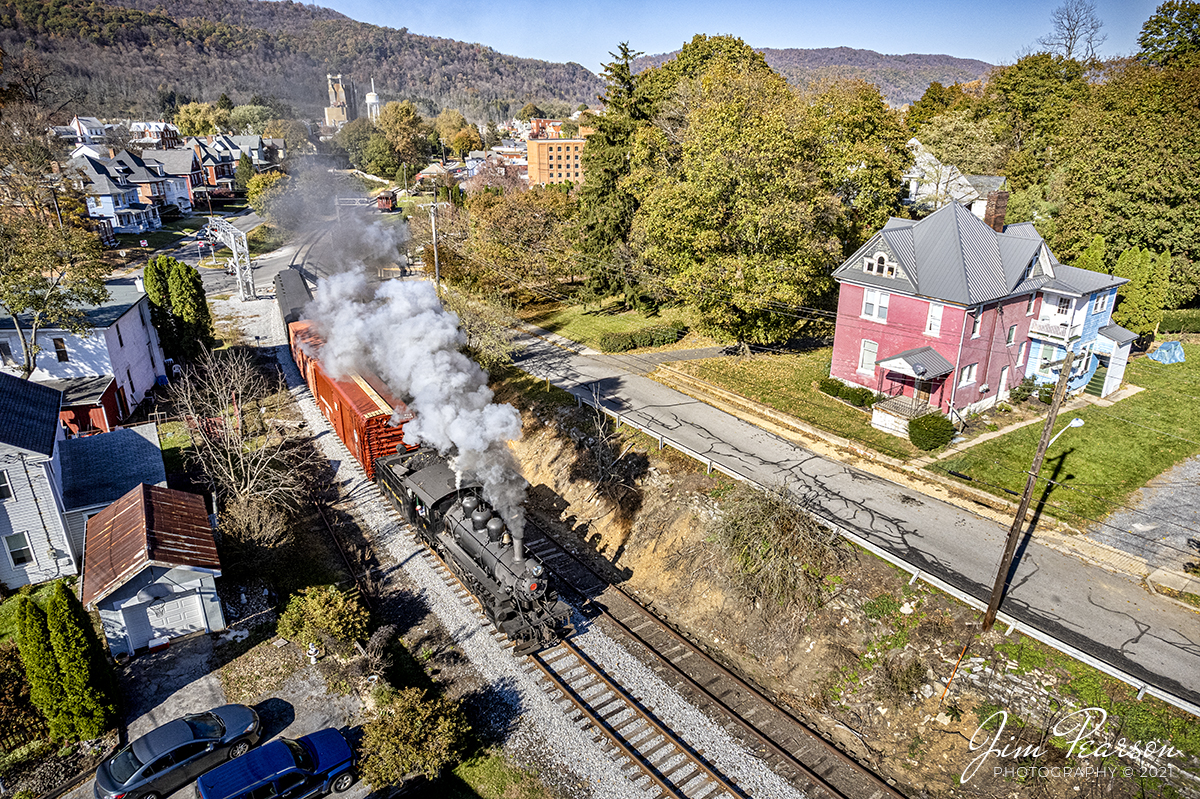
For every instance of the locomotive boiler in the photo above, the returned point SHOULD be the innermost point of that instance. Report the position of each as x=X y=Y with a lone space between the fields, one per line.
x=513 y=588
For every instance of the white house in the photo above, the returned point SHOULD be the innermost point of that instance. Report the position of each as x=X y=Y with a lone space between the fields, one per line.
x=89 y=130
x=122 y=343
x=932 y=184
x=33 y=534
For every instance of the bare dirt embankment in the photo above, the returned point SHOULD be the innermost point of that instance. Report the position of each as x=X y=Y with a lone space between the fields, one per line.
x=868 y=668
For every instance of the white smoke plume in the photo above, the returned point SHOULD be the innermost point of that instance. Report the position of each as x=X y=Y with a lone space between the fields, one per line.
x=400 y=331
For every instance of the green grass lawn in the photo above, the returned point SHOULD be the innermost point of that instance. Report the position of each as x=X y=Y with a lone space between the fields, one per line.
x=586 y=324
x=8 y=611
x=171 y=234
x=173 y=436
x=787 y=383
x=1116 y=452
x=1184 y=320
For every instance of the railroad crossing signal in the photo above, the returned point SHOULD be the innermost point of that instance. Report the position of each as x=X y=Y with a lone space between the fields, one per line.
x=235 y=240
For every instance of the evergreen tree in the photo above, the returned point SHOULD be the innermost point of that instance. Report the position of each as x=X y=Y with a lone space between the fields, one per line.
x=88 y=693
x=1093 y=257
x=224 y=103
x=154 y=276
x=245 y=171
x=193 y=320
x=1140 y=301
x=41 y=667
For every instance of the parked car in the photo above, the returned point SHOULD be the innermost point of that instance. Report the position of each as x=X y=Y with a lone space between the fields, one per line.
x=311 y=766
x=168 y=757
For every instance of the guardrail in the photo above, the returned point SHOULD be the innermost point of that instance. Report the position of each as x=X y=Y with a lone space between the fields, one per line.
x=585 y=396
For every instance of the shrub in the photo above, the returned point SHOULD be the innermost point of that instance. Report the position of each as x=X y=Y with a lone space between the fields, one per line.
x=858 y=396
x=616 y=342
x=778 y=554
x=1023 y=390
x=931 y=431
x=410 y=734
x=1045 y=393
x=323 y=612
x=830 y=386
x=653 y=336
x=1004 y=407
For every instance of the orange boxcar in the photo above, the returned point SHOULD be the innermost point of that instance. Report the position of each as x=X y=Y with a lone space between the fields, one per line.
x=359 y=406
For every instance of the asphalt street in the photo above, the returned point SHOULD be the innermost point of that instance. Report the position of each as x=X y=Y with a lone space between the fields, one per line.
x=1106 y=615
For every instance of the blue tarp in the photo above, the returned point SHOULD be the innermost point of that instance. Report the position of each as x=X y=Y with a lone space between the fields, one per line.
x=1170 y=352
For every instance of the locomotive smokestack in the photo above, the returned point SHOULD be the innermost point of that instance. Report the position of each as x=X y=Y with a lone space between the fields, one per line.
x=518 y=549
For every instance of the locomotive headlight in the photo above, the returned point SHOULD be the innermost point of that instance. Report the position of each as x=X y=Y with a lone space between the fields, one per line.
x=536 y=569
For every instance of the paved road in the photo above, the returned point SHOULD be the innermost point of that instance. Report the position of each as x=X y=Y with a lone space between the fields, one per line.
x=1107 y=615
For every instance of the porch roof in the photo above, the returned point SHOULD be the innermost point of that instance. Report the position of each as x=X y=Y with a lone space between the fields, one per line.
x=924 y=363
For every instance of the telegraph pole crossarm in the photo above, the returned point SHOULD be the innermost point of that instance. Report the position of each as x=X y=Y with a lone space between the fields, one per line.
x=1014 y=532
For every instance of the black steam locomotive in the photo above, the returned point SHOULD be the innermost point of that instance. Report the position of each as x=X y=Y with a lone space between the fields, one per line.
x=515 y=590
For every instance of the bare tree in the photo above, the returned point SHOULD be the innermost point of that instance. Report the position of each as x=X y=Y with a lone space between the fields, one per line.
x=246 y=458
x=1076 y=31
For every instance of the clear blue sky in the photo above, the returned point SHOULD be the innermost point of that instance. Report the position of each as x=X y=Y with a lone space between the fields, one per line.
x=587 y=30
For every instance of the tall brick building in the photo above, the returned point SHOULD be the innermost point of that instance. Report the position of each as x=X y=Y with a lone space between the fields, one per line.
x=555 y=161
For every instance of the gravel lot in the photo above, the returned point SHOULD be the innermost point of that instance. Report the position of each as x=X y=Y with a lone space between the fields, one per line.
x=539 y=733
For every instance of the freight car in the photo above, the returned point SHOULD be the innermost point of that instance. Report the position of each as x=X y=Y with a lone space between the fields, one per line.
x=291 y=295
x=359 y=406
x=514 y=590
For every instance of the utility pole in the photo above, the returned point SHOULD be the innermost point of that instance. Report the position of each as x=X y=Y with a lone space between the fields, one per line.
x=437 y=273
x=1018 y=524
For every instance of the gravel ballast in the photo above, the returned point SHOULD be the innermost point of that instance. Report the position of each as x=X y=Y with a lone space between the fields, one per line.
x=541 y=734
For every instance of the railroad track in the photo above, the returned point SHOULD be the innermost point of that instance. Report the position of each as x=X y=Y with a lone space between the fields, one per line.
x=787 y=745
x=637 y=737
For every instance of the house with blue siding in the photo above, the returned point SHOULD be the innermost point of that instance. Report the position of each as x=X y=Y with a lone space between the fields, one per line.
x=1075 y=313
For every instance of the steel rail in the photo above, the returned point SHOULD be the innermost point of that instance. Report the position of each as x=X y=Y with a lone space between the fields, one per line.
x=736 y=679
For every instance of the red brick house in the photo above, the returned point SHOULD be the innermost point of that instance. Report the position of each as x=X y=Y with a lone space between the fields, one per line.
x=946 y=314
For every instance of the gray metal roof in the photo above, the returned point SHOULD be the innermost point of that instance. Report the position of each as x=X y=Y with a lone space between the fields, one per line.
x=1118 y=334
x=100 y=469
x=952 y=256
x=122 y=295
x=29 y=414
x=80 y=390
x=1082 y=281
x=176 y=160
x=926 y=358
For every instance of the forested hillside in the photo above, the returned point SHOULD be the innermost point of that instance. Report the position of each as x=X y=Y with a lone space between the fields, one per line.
x=900 y=78
x=125 y=59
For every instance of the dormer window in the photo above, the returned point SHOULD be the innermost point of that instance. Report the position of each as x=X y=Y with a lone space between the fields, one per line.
x=1028 y=273
x=878 y=264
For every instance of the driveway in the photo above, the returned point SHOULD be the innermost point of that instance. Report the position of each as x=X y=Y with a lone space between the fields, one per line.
x=162 y=686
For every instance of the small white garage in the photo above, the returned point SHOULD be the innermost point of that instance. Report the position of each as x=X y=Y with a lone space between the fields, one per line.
x=149 y=569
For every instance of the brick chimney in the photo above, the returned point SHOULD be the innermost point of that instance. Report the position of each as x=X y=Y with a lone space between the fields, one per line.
x=997 y=206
